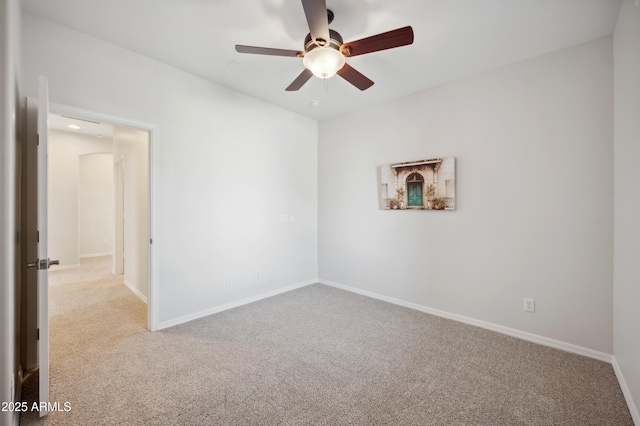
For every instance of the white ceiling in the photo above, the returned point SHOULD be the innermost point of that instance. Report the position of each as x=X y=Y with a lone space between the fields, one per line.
x=454 y=39
x=91 y=128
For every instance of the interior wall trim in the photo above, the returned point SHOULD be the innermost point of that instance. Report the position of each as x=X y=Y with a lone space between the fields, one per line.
x=633 y=409
x=568 y=347
x=136 y=291
x=86 y=256
x=236 y=304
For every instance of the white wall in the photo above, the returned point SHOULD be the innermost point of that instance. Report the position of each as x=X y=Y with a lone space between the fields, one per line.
x=533 y=147
x=9 y=194
x=132 y=148
x=626 y=333
x=65 y=151
x=95 y=204
x=228 y=166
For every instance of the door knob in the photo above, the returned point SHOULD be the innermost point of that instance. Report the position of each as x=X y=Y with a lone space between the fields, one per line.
x=42 y=264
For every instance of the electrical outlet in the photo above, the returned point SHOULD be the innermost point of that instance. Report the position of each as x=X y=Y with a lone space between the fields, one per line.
x=228 y=280
x=529 y=305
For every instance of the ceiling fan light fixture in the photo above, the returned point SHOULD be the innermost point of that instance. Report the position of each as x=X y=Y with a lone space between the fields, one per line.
x=325 y=52
x=324 y=62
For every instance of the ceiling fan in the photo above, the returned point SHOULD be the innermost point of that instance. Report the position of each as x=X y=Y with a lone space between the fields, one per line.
x=325 y=53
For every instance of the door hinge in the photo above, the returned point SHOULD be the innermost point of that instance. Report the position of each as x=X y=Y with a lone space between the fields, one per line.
x=38 y=139
x=38 y=332
x=38 y=237
x=151 y=241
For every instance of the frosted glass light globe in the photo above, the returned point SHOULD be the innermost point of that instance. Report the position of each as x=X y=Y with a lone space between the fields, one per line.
x=324 y=62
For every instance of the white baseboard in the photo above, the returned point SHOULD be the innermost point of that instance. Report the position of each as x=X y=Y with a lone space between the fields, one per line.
x=63 y=267
x=478 y=323
x=215 y=310
x=633 y=409
x=85 y=256
x=135 y=291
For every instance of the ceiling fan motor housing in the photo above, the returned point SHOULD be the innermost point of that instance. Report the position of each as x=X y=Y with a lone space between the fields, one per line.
x=335 y=41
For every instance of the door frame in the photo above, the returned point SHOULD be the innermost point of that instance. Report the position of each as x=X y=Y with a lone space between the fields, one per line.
x=118 y=239
x=153 y=262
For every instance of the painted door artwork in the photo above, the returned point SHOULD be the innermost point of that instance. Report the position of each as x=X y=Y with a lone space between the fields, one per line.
x=418 y=185
x=414 y=191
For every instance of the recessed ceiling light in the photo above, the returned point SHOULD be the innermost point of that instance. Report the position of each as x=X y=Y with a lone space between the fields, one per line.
x=73 y=126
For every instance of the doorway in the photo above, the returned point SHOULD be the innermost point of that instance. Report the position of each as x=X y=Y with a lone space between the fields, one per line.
x=132 y=171
x=92 y=198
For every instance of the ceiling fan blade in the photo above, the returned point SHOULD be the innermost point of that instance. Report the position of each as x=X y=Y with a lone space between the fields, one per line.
x=354 y=77
x=268 y=51
x=304 y=76
x=316 y=13
x=383 y=41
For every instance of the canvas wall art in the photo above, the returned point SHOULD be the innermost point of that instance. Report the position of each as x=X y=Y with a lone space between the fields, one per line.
x=419 y=185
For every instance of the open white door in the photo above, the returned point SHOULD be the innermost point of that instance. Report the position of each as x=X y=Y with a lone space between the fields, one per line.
x=36 y=291
x=43 y=263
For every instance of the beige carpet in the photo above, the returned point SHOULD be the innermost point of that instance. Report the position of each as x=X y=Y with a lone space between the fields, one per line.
x=314 y=356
